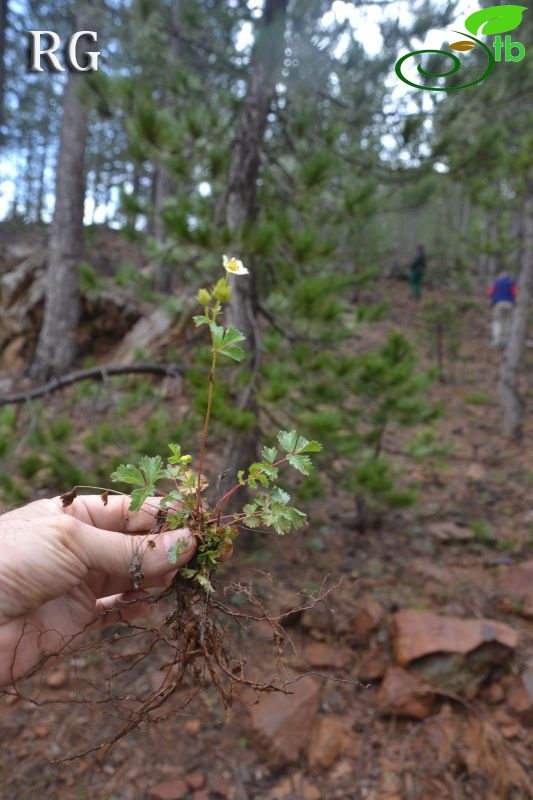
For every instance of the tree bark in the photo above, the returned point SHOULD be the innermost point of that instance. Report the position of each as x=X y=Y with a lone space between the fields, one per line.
x=165 y=185
x=511 y=400
x=240 y=198
x=56 y=348
x=3 y=29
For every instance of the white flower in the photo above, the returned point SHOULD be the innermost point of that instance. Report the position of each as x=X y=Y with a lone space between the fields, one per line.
x=234 y=266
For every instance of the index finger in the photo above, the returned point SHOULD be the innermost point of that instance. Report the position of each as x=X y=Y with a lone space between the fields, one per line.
x=115 y=515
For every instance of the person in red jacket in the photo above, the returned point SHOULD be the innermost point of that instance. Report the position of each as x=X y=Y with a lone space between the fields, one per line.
x=502 y=294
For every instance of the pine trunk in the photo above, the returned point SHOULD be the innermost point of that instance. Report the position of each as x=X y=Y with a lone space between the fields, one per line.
x=509 y=384
x=3 y=29
x=165 y=185
x=240 y=199
x=56 y=348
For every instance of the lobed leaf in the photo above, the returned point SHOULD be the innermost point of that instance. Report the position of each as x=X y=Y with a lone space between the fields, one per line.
x=152 y=468
x=139 y=496
x=301 y=462
x=127 y=473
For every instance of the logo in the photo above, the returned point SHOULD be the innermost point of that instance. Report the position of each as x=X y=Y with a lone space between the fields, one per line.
x=489 y=22
x=37 y=53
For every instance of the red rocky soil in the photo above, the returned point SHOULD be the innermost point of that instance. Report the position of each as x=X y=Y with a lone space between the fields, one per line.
x=416 y=672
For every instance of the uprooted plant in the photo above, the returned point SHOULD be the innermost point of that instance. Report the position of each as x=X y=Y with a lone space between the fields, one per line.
x=193 y=630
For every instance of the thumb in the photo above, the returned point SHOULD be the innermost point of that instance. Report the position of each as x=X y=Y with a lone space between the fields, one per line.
x=122 y=556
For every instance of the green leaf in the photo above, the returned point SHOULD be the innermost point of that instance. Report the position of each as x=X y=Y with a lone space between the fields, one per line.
x=127 y=473
x=231 y=351
x=188 y=573
x=179 y=518
x=256 y=475
x=217 y=332
x=269 y=454
x=201 y=320
x=170 y=472
x=151 y=466
x=282 y=517
x=228 y=344
x=287 y=440
x=250 y=520
x=301 y=463
x=176 y=550
x=175 y=449
x=280 y=496
x=303 y=446
x=232 y=336
x=270 y=471
x=204 y=582
x=171 y=497
x=499 y=19
x=139 y=497
x=240 y=477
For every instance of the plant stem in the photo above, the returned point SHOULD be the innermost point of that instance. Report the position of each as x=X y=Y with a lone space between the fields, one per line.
x=206 y=426
x=223 y=500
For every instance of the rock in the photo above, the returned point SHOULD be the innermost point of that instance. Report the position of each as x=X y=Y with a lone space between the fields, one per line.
x=319 y=618
x=511 y=731
x=196 y=780
x=428 y=569
x=520 y=697
x=217 y=785
x=41 y=731
x=327 y=743
x=323 y=655
x=404 y=695
x=58 y=678
x=373 y=666
x=145 y=333
x=453 y=654
x=493 y=694
x=170 y=790
x=449 y=532
x=476 y=472
x=368 y=617
x=281 y=725
x=193 y=726
x=517 y=582
x=420 y=633
x=295 y=786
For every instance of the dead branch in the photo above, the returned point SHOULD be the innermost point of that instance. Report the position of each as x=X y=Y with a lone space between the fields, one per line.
x=94 y=373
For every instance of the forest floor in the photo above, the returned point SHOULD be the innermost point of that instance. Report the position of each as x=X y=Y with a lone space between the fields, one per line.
x=462 y=553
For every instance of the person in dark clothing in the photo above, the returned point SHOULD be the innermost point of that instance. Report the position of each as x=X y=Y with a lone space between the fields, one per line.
x=417 y=270
x=502 y=295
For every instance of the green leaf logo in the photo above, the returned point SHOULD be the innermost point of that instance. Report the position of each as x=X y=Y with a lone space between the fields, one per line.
x=499 y=19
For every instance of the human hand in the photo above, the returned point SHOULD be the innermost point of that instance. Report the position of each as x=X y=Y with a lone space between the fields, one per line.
x=62 y=569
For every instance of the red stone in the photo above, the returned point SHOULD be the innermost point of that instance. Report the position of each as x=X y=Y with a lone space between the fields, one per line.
x=419 y=633
x=170 y=790
x=368 y=616
x=373 y=666
x=196 y=780
x=404 y=695
x=323 y=655
x=281 y=724
x=58 y=678
x=327 y=743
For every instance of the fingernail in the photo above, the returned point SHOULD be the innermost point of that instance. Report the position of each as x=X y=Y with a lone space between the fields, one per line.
x=171 y=537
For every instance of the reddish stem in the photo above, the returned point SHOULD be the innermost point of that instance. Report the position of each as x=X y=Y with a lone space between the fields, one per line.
x=223 y=500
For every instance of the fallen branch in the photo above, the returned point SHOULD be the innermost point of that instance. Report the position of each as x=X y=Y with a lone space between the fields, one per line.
x=94 y=373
